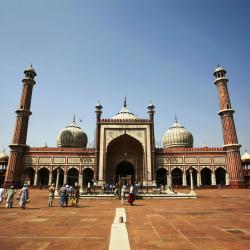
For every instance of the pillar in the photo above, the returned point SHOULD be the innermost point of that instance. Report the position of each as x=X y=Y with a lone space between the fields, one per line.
x=227 y=179
x=184 y=178
x=213 y=179
x=50 y=178
x=80 y=179
x=191 y=179
x=35 y=179
x=57 y=181
x=169 y=180
x=198 y=178
x=65 y=177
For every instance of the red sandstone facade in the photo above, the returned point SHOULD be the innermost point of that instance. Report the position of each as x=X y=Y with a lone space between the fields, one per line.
x=125 y=145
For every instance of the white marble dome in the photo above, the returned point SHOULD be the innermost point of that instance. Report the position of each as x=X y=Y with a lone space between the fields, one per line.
x=125 y=114
x=72 y=136
x=245 y=157
x=3 y=157
x=177 y=136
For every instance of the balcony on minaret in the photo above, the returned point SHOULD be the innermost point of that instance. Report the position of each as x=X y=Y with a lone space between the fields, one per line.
x=30 y=73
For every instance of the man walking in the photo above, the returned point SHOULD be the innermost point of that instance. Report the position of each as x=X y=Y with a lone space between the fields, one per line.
x=51 y=194
x=23 y=196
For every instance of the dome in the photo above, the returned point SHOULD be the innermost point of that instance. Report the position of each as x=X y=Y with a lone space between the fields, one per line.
x=245 y=157
x=177 y=136
x=30 y=68
x=3 y=157
x=72 y=136
x=125 y=114
x=219 y=69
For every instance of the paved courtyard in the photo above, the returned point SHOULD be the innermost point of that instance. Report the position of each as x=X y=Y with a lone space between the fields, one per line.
x=218 y=219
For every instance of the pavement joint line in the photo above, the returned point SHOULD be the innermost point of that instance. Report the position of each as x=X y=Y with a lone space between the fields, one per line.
x=119 y=234
x=183 y=236
x=155 y=231
x=52 y=237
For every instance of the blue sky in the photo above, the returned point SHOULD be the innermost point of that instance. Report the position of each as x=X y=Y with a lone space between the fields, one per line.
x=161 y=51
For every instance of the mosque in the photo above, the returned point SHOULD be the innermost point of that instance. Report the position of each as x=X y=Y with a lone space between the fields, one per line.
x=125 y=148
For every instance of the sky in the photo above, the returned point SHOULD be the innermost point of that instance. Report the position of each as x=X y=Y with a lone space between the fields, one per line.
x=163 y=51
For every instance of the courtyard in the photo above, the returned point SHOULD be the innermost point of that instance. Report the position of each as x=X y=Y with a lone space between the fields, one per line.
x=218 y=219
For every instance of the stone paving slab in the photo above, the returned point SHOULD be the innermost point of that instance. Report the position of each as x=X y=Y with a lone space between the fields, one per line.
x=218 y=219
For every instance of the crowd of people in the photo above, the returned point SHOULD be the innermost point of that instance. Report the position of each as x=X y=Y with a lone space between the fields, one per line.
x=23 y=196
x=68 y=195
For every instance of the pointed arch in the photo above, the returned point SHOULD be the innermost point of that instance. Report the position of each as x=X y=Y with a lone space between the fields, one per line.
x=176 y=176
x=206 y=176
x=161 y=177
x=220 y=176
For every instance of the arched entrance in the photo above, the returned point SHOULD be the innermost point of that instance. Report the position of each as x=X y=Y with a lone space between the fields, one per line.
x=176 y=177
x=29 y=174
x=124 y=169
x=220 y=175
x=194 y=173
x=206 y=177
x=161 y=177
x=88 y=176
x=72 y=176
x=124 y=157
x=43 y=177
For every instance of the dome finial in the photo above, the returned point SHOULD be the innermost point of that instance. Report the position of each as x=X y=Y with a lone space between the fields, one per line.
x=74 y=119
x=125 y=102
x=175 y=118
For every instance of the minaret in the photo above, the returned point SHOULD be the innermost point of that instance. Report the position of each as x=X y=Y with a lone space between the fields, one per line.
x=18 y=146
x=98 y=111
x=231 y=144
x=151 y=113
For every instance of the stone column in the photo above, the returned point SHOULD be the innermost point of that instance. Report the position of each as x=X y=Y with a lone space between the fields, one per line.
x=35 y=179
x=213 y=180
x=191 y=179
x=227 y=179
x=198 y=179
x=80 y=178
x=65 y=177
x=169 y=180
x=57 y=181
x=184 y=179
x=50 y=178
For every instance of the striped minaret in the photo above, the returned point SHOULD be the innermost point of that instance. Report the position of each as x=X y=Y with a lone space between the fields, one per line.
x=231 y=144
x=18 y=146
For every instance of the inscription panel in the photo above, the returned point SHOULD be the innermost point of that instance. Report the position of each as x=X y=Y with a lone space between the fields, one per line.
x=205 y=160
x=74 y=160
x=176 y=160
x=59 y=160
x=191 y=160
x=44 y=160
x=88 y=160
x=219 y=159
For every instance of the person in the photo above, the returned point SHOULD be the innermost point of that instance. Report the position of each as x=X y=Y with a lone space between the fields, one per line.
x=88 y=188
x=76 y=196
x=94 y=185
x=131 y=195
x=67 y=195
x=51 y=194
x=123 y=193
x=10 y=197
x=1 y=194
x=63 y=195
x=116 y=192
x=23 y=196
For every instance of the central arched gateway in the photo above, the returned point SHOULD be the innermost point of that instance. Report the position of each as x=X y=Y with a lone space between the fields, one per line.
x=124 y=157
x=125 y=169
